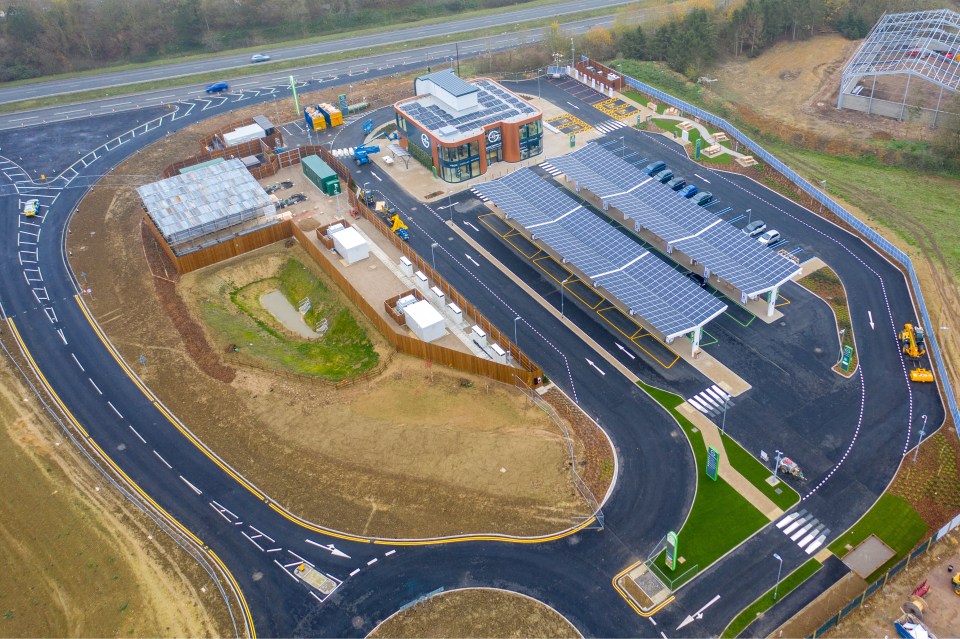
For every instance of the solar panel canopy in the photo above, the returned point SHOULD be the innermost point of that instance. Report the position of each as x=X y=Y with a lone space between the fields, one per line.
x=680 y=222
x=608 y=257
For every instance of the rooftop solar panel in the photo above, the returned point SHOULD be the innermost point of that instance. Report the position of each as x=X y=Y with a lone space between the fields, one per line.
x=618 y=262
x=705 y=237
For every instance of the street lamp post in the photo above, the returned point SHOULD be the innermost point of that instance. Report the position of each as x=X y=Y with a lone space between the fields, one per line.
x=515 y=343
x=776 y=464
x=920 y=439
x=561 y=293
x=843 y=331
x=433 y=257
x=779 y=570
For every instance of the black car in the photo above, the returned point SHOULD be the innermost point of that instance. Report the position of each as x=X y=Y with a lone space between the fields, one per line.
x=676 y=183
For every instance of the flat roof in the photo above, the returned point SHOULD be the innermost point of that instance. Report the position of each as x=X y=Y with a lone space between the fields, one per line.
x=495 y=104
x=349 y=237
x=191 y=205
x=683 y=224
x=423 y=313
x=606 y=255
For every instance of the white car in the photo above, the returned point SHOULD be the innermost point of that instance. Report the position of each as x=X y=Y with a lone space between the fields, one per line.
x=769 y=237
x=259 y=57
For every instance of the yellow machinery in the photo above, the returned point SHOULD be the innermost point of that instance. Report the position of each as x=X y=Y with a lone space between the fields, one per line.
x=397 y=224
x=911 y=340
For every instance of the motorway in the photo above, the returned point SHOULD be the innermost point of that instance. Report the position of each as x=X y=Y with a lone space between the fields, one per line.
x=850 y=434
x=385 y=37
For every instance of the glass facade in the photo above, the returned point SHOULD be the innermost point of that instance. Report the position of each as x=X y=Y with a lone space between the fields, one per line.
x=531 y=139
x=459 y=163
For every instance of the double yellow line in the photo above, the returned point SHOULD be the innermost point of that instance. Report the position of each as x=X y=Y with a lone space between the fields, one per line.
x=637 y=609
x=105 y=457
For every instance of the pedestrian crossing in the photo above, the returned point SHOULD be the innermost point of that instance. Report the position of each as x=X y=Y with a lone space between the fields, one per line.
x=610 y=126
x=710 y=401
x=804 y=529
x=479 y=195
x=549 y=168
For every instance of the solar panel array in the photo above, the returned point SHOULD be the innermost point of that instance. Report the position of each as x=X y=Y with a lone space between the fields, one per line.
x=496 y=104
x=737 y=258
x=610 y=258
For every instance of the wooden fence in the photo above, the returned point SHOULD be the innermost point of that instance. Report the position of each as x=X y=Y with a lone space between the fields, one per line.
x=427 y=351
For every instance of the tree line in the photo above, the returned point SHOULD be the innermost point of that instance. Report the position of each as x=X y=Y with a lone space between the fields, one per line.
x=42 y=37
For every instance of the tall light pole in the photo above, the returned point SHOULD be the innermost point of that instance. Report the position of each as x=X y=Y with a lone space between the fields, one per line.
x=842 y=333
x=776 y=464
x=433 y=257
x=515 y=343
x=779 y=569
x=922 y=429
x=562 y=286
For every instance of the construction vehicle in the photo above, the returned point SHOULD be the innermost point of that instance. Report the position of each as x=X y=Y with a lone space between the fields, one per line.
x=911 y=340
x=365 y=196
x=790 y=467
x=392 y=217
x=286 y=184
x=956 y=584
x=361 y=154
x=368 y=127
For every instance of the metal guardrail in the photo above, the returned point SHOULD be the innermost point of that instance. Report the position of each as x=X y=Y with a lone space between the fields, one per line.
x=882 y=243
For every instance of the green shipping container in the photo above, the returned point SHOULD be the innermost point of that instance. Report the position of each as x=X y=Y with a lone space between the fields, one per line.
x=318 y=172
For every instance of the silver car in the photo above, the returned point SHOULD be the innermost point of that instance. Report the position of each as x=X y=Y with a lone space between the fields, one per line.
x=259 y=57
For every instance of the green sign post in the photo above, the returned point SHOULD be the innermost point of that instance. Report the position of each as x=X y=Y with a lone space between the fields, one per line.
x=845 y=360
x=296 y=100
x=335 y=188
x=639 y=121
x=342 y=100
x=713 y=463
x=671 y=558
x=699 y=140
x=573 y=140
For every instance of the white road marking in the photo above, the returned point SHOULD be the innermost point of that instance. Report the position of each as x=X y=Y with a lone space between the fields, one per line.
x=702 y=178
x=95 y=387
x=376 y=176
x=192 y=487
x=110 y=404
x=389 y=552
x=372 y=561
x=597 y=368
x=573 y=105
x=162 y=459
x=354 y=572
x=60 y=333
x=471 y=260
x=78 y=363
x=139 y=436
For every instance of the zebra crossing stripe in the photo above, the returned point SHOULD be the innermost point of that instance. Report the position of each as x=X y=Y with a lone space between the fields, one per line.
x=479 y=195
x=719 y=393
x=819 y=542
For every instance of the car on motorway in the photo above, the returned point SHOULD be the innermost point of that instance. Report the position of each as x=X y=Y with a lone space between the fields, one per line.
x=703 y=198
x=655 y=167
x=217 y=87
x=259 y=57
x=676 y=183
x=665 y=177
x=689 y=190
x=755 y=228
x=769 y=237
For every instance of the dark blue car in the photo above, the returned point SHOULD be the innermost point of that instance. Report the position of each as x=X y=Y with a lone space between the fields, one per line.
x=218 y=87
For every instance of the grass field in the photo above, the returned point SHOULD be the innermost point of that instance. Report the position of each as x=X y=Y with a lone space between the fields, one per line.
x=827 y=285
x=720 y=517
x=891 y=519
x=344 y=351
x=766 y=601
x=757 y=474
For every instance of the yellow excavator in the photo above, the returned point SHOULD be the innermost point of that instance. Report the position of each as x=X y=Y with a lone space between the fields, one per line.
x=392 y=217
x=911 y=339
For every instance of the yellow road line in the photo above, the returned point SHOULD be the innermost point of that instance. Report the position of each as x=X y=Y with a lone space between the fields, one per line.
x=502 y=538
x=324 y=531
x=630 y=601
x=110 y=349
x=585 y=303
x=655 y=358
x=237 y=589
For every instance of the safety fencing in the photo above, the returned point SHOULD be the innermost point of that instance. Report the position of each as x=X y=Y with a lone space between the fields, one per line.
x=882 y=581
x=828 y=203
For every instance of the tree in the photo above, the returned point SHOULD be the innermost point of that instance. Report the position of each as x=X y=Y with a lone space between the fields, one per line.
x=598 y=44
x=633 y=44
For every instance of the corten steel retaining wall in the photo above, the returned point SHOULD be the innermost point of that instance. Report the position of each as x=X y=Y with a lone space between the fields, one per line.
x=828 y=203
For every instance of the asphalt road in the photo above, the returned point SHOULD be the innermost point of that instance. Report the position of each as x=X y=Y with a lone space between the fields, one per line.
x=849 y=435
x=221 y=64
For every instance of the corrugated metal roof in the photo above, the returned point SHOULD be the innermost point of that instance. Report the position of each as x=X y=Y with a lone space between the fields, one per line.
x=448 y=80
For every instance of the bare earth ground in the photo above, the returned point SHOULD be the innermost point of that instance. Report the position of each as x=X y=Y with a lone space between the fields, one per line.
x=476 y=613
x=76 y=558
x=412 y=453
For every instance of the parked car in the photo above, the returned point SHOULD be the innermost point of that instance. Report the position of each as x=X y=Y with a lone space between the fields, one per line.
x=259 y=57
x=703 y=198
x=769 y=237
x=217 y=87
x=665 y=177
x=677 y=183
x=697 y=279
x=655 y=167
x=689 y=190
x=755 y=228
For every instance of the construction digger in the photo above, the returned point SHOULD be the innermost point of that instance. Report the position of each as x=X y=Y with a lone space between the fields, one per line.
x=392 y=217
x=911 y=340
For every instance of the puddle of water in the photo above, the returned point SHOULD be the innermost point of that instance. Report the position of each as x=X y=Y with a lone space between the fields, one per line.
x=286 y=314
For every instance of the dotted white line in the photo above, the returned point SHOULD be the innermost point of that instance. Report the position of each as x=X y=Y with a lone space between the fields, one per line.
x=566 y=363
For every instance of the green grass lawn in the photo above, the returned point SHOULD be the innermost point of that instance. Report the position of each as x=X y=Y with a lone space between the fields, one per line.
x=757 y=474
x=891 y=519
x=343 y=352
x=720 y=517
x=766 y=601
